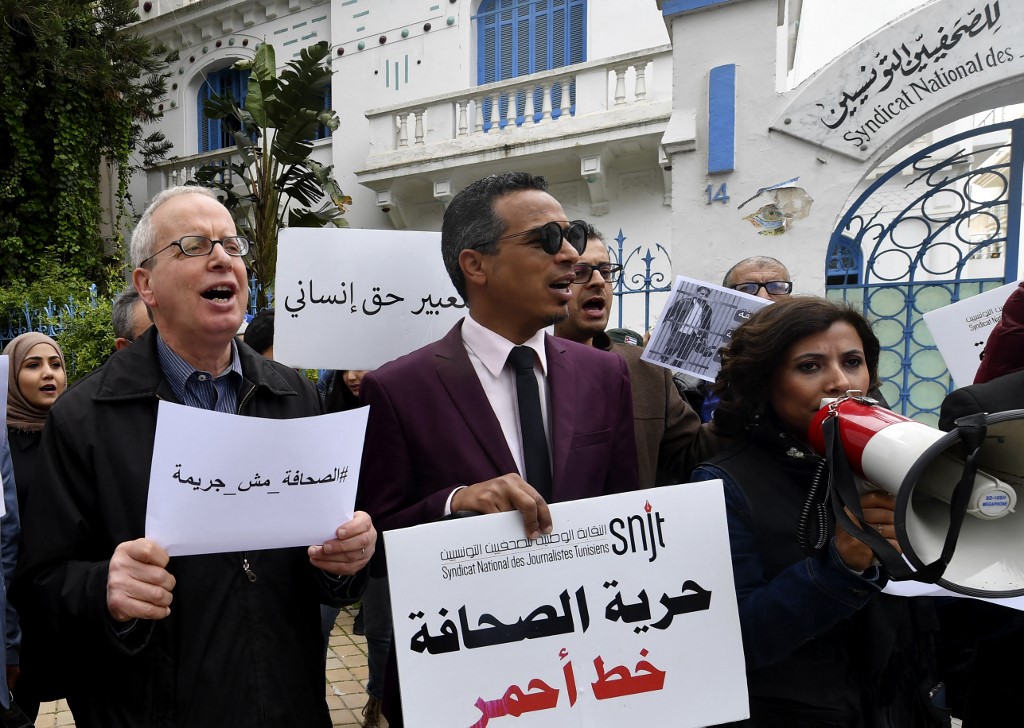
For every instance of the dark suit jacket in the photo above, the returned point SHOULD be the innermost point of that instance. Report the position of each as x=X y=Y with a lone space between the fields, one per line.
x=980 y=638
x=999 y=395
x=666 y=427
x=432 y=429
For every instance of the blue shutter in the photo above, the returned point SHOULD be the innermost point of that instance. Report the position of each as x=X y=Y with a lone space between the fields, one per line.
x=215 y=133
x=520 y=37
x=322 y=132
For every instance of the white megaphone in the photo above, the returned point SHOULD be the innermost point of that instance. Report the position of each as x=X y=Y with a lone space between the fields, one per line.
x=921 y=467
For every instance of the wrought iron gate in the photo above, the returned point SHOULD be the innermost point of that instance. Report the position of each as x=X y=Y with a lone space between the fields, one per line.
x=940 y=226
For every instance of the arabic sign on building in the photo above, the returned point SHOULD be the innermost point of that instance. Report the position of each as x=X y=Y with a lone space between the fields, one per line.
x=356 y=299
x=624 y=615
x=906 y=70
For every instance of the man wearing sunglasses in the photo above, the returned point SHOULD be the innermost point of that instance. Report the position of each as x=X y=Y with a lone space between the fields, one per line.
x=666 y=427
x=447 y=430
x=198 y=641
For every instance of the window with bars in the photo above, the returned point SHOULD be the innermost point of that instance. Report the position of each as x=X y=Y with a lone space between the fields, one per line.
x=521 y=37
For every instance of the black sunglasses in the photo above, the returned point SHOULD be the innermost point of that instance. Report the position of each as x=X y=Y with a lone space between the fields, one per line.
x=550 y=236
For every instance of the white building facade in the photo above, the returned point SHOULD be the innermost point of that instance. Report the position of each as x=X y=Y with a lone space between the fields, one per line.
x=660 y=121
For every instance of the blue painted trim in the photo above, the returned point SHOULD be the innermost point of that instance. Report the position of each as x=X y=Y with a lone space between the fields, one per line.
x=722 y=119
x=677 y=7
x=1012 y=246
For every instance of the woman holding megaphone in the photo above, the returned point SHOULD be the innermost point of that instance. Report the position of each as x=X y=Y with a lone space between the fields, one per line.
x=824 y=647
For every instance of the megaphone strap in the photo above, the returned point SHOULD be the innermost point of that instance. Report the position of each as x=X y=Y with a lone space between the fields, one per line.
x=843 y=492
x=972 y=429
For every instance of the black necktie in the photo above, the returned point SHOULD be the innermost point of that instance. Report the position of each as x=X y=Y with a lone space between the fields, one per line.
x=531 y=422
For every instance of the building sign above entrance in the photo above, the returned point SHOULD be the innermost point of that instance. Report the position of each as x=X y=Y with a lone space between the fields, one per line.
x=905 y=70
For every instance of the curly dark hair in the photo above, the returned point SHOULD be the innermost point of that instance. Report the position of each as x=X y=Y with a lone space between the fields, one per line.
x=758 y=346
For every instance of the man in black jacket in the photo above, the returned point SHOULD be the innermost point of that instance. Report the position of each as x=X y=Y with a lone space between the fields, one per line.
x=230 y=639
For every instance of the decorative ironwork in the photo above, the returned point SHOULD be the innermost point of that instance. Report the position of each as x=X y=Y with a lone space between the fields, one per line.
x=646 y=281
x=940 y=226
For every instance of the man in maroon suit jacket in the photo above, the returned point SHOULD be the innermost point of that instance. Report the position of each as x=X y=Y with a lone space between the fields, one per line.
x=443 y=433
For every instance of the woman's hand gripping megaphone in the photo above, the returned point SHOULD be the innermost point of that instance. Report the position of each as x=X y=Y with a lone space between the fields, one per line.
x=878 y=508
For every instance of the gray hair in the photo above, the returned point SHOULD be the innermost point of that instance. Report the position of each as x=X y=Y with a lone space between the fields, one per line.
x=759 y=260
x=471 y=220
x=144 y=237
x=122 y=311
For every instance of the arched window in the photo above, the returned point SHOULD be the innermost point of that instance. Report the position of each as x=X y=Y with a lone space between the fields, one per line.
x=218 y=133
x=844 y=264
x=520 y=37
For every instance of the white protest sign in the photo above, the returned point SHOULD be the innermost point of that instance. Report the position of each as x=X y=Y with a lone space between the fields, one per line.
x=961 y=329
x=922 y=589
x=624 y=615
x=220 y=482
x=356 y=299
x=698 y=320
x=4 y=371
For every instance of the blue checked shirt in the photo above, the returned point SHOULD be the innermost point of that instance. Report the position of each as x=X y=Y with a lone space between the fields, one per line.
x=201 y=389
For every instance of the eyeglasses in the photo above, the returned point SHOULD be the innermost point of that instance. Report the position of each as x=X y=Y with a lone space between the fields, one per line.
x=774 y=288
x=585 y=271
x=196 y=246
x=550 y=236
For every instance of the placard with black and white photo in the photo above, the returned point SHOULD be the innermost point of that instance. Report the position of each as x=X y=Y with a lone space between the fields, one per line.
x=697 y=321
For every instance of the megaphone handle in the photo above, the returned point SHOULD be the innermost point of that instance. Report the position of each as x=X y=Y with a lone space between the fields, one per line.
x=844 y=496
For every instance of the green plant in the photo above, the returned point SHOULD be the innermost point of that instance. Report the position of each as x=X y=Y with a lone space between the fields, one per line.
x=281 y=184
x=79 y=316
x=87 y=339
x=76 y=86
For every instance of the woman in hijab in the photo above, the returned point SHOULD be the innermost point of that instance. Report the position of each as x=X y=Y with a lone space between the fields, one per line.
x=37 y=377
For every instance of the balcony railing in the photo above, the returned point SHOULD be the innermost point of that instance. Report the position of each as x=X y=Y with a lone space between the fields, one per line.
x=594 y=91
x=182 y=170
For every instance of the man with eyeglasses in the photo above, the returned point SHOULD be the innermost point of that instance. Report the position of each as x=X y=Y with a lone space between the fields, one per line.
x=498 y=415
x=760 y=276
x=665 y=426
x=194 y=641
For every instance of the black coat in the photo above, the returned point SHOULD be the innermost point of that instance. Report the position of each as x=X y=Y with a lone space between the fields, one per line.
x=233 y=652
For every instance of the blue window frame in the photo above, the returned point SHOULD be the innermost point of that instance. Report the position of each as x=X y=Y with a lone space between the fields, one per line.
x=218 y=133
x=520 y=37
x=322 y=132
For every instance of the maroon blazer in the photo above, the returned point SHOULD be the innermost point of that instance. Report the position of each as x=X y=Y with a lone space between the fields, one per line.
x=432 y=429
